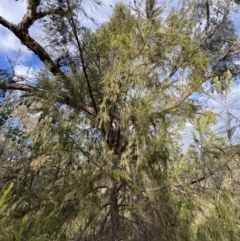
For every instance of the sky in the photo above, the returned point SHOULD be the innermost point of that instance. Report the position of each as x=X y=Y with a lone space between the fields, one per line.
x=13 y=11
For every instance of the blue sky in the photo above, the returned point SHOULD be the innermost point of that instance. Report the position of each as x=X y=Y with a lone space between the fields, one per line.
x=13 y=11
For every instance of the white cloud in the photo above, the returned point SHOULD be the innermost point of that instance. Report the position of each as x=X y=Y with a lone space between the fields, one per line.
x=9 y=42
x=12 y=10
x=24 y=71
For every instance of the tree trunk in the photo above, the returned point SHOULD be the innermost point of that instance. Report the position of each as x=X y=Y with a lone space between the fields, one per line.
x=114 y=212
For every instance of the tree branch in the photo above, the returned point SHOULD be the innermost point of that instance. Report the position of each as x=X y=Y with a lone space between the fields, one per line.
x=21 y=32
x=217 y=169
x=58 y=11
x=84 y=68
x=208 y=15
x=62 y=97
x=209 y=35
x=32 y=14
x=6 y=24
x=26 y=88
x=29 y=42
x=83 y=62
x=29 y=17
x=203 y=178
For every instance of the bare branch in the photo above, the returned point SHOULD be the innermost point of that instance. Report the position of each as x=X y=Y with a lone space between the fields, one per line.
x=28 y=18
x=83 y=64
x=29 y=42
x=6 y=24
x=58 y=11
x=21 y=87
x=208 y=15
x=21 y=31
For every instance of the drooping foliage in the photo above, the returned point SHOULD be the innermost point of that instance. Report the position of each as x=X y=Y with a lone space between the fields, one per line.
x=94 y=142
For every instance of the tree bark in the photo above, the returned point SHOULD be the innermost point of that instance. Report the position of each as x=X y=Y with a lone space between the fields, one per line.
x=114 y=210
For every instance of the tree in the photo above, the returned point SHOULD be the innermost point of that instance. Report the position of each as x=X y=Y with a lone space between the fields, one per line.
x=101 y=157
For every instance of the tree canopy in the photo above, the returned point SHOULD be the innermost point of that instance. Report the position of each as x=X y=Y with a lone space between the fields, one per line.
x=93 y=144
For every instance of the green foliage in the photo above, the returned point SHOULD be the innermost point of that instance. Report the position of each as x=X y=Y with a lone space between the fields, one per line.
x=6 y=233
x=4 y=198
x=97 y=151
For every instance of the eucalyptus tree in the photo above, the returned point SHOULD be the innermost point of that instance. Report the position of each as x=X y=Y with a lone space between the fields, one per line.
x=104 y=118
